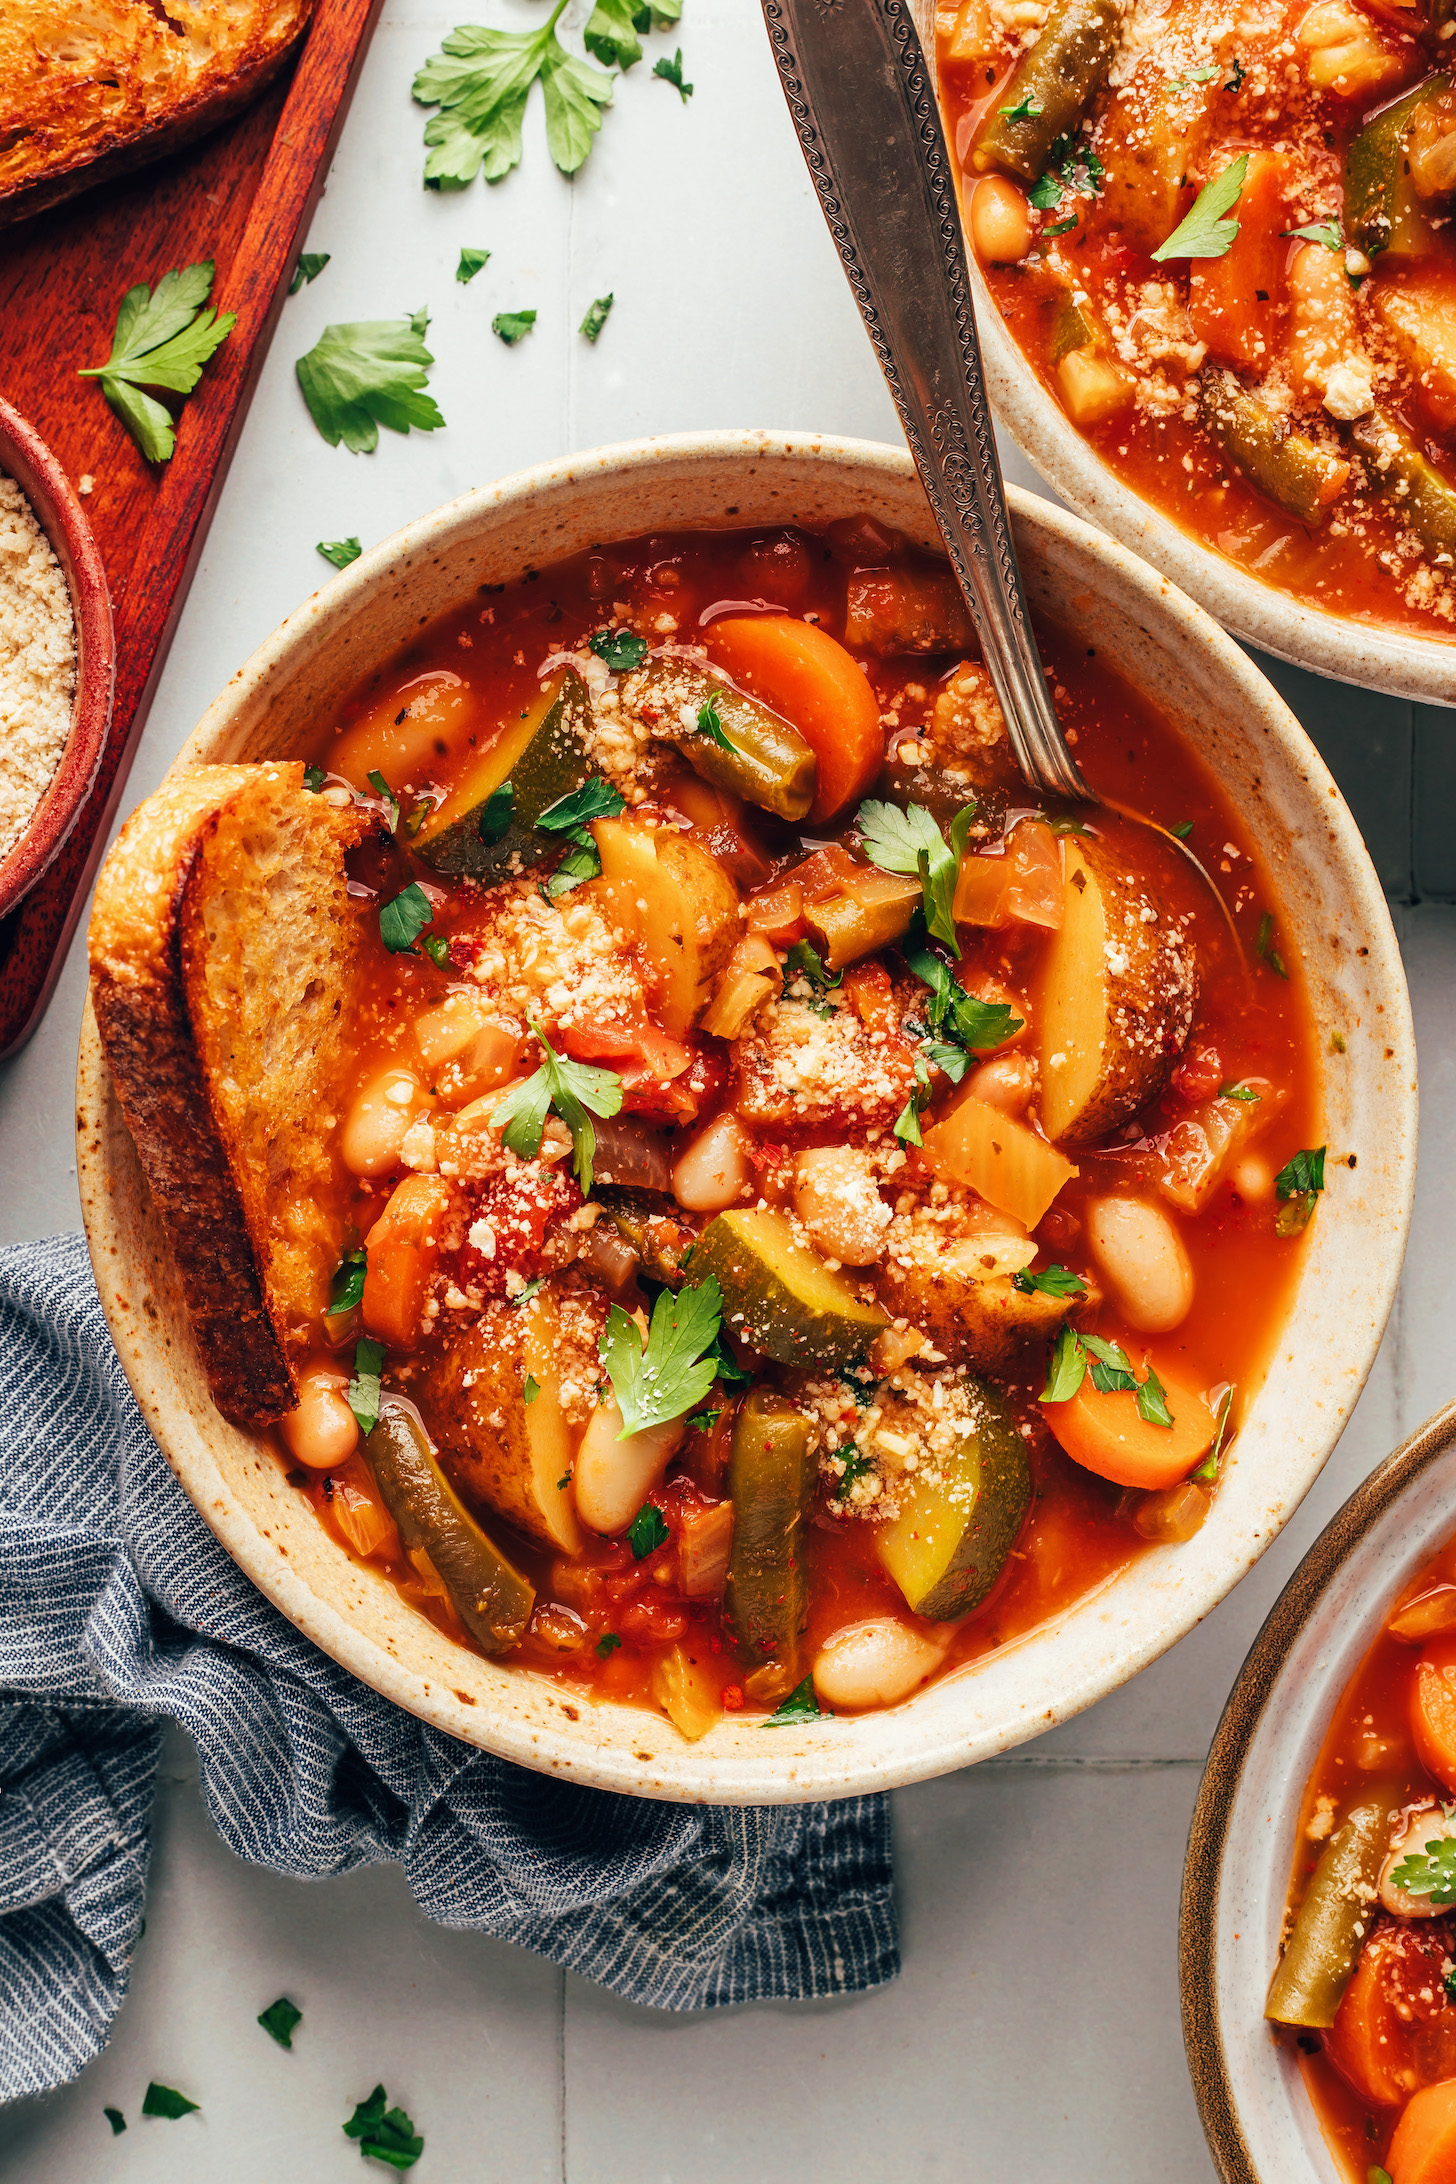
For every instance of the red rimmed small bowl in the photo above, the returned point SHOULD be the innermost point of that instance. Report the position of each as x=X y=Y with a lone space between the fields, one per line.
x=25 y=457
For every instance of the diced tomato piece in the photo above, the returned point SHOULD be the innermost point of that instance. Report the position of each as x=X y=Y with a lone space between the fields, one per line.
x=1199 y=1074
x=681 y=1096
x=505 y=1227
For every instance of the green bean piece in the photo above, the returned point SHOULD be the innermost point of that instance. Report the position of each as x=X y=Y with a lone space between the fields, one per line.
x=871 y=911
x=945 y=790
x=1424 y=501
x=1380 y=209
x=769 y=763
x=1050 y=88
x=770 y=1483
x=493 y=1599
x=1321 y=1953
x=1297 y=474
x=1073 y=329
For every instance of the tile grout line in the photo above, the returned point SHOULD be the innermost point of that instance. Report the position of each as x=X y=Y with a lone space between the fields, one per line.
x=561 y=2032
x=1010 y=1763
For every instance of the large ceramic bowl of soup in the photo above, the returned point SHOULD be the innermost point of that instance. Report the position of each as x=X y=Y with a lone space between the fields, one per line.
x=1265 y=412
x=1316 y=1935
x=1011 y=1199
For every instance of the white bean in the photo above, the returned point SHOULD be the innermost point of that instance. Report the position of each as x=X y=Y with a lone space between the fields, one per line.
x=877 y=1662
x=613 y=1478
x=1427 y=1827
x=712 y=1171
x=1142 y=1256
x=321 y=1431
x=1005 y=1081
x=838 y=1200
x=1253 y=1179
x=382 y=1110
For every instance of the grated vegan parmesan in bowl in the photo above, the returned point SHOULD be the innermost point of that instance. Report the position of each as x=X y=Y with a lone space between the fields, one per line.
x=37 y=663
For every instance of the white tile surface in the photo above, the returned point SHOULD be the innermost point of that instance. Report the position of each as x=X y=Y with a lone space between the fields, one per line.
x=1034 y=2032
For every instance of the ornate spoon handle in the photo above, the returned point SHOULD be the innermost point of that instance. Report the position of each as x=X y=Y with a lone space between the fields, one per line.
x=869 y=127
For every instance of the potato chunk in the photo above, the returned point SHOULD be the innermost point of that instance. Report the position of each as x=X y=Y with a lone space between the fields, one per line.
x=678 y=902
x=509 y=1453
x=1116 y=1003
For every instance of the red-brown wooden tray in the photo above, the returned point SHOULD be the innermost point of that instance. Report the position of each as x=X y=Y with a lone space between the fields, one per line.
x=243 y=197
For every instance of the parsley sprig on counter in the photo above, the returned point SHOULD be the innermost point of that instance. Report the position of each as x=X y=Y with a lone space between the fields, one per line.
x=576 y=1091
x=480 y=82
x=165 y=2100
x=1205 y=231
x=615 y=28
x=674 y=1371
x=281 y=2020
x=367 y=373
x=385 y=2134
x=910 y=841
x=163 y=338
x=341 y=551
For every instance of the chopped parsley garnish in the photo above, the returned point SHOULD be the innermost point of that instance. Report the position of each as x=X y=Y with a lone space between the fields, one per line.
x=1152 y=1401
x=1204 y=232
x=679 y=1364
x=314 y=778
x=1238 y=1092
x=347 y=1287
x=1182 y=831
x=726 y=1368
x=1431 y=1872
x=1052 y=1281
x=1074 y=1354
x=367 y=373
x=1328 y=232
x=583 y=861
x=341 y=551
x=116 y=2119
x=532 y=1388
x=620 y=649
x=856 y=1467
x=606 y=1644
x=364 y=1389
x=910 y=841
x=525 y=1295
x=387 y=796
x=1195 y=75
x=480 y=82
x=596 y=317
x=162 y=339
x=404 y=918
x=804 y=961
x=1208 y=1469
x=385 y=2133
x=800 y=1705
x=1067 y=1369
x=1264 y=946
x=1112 y=1372
x=1059 y=227
x=978 y=1026
x=496 y=813
x=953 y=1061
x=647 y=1532
x=165 y=2100
x=437 y=948
x=703 y=1421
x=1297 y=1186
x=512 y=326
x=1068 y=167
x=1025 y=109
x=572 y=1088
x=280 y=2019
x=671 y=72
x=310 y=264
x=1238 y=75
x=595 y=799
x=710 y=722
x=907 y=1122
x=471 y=263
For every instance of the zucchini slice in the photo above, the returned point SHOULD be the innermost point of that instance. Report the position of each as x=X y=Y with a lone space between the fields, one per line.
x=544 y=755
x=493 y=1599
x=779 y=1295
x=950 y=1542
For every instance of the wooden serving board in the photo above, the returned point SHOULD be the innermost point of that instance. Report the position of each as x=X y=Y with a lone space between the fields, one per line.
x=242 y=197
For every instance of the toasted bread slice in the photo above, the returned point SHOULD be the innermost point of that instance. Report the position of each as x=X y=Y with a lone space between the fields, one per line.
x=223 y=958
x=89 y=88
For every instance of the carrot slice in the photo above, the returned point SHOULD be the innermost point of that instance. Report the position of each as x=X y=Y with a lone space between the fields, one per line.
x=803 y=674
x=1233 y=301
x=1433 y=1708
x=402 y=1247
x=1368 y=2041
x=1423 y=2150
x=1106 y=1434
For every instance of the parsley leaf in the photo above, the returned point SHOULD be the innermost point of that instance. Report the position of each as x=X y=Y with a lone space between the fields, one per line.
x=437 y=948
x=347 y=1287
x=386 y=794
x=596 y=317
x=314 y=778
x=1045 y=193
x=1238 y=75
x=165 y=2100
x=910 y=841
x=726 y=1367
x=671 y=72
x=1069 y=166
x=606 y=1644
x=1264 y=947
x=1430 y=1872
x=1238 y=1092
x=1195 y=75
x=341 y=551
x=1204 y=232
x=647 y=1532
x=116 y=2119
x=583 y=861
x=480 y=82
x=710 y=722
x=1152 y=1401
x=1112 y=1372
x=496 y=814
x=1208 y=1469
x=571 y=1088
x=1052 y=1281
x=595 y=799
x=1305 y=1172
x=1328 y=232
x=907 y=1122
x=162 y=339
x=678 y=1366
x=532 y=1388
x=620 y=649
x=610 y=35
x=976 y=1025
x=364 y=1388
x=525 y=1295
x=386 y=2134
x=512 y=326
x=310 y=264
x=953 y=1060
x=1025 y=109
x=364 y=374
x=279 y=2020
x=471 y=263
x=402 y=920
x=800 y=1705
x=1182 y=831
x=804 y=961
x=857 y=1465
x=1060 y=227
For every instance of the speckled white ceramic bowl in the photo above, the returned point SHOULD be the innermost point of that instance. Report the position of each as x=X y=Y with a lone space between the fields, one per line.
x=1332 y=913
x=1260 y=2123
x=1380 y=659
